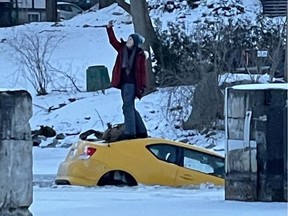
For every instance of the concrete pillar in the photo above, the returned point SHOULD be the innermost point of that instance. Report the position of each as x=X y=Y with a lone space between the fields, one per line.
x=256 y=148
x=16 y=189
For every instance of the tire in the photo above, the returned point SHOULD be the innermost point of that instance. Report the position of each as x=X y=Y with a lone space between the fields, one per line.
x=117 y=178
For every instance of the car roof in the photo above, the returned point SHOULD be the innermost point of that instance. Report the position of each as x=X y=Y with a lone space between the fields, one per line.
x=68 y=3
x=151 y=141
x=65 y=3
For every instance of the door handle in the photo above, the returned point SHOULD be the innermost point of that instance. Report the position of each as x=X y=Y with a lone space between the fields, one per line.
x=187 y=177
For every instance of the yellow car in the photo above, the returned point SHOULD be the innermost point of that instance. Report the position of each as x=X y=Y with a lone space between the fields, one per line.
x=149 y=161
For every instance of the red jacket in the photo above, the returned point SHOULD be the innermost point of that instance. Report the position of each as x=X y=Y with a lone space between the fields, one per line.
x=140 y=65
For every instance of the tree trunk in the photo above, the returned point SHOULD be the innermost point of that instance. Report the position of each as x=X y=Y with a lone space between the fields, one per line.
x=286 y=54
x=143 y=25
x=51 y=11
x=208 y=103
x=105 y=3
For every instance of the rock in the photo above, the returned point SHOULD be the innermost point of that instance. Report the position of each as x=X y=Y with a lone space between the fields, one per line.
x=60 y=136
x=45 y=131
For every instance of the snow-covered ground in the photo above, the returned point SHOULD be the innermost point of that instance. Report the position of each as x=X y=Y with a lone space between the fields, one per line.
x=142 y=201
x=134 y=201
x=83 y=47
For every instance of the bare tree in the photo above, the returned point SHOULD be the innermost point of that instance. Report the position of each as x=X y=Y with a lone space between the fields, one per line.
x=271 y=38
x=64 y=80
x=33 y=52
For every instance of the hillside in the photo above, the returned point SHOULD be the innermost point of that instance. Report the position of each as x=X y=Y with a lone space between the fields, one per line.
x=75 y=48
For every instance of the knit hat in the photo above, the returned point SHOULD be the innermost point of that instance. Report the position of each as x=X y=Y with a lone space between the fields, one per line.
x=137 y=39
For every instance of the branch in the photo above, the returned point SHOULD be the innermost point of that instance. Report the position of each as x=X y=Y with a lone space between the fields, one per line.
x=40 y=107
x=124 y=5
x=73 y=82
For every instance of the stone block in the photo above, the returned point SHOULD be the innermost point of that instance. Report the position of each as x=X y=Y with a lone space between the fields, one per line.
x=16 y=186
x=15 y=113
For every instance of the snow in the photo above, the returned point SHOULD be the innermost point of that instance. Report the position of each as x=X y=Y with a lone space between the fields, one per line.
x=46 y=160
x=229 y=77
x=79 y=48
x=283 y=86
x=189 y=19
x=140 y=200
x=11 y=89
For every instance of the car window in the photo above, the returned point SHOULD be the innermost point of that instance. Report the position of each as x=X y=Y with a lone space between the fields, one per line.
x=75 y=9
x=203 y=162
x=65 y=7
x=59 y=7
x=164 y=152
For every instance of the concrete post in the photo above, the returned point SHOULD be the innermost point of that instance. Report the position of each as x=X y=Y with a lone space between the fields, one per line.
x=16 y=189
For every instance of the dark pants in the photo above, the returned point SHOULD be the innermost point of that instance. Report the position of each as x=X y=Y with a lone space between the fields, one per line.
x=132 y=119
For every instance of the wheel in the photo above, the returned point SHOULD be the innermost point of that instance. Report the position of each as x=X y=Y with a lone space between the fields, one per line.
x=117 y=178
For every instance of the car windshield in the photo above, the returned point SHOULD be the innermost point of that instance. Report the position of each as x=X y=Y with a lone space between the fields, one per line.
x=75 y=9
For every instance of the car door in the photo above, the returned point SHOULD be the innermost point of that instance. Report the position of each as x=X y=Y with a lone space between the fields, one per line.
x=198 y=168
x=164 y=168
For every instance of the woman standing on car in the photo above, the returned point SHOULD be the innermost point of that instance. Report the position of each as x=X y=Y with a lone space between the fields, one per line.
x=129 y=75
